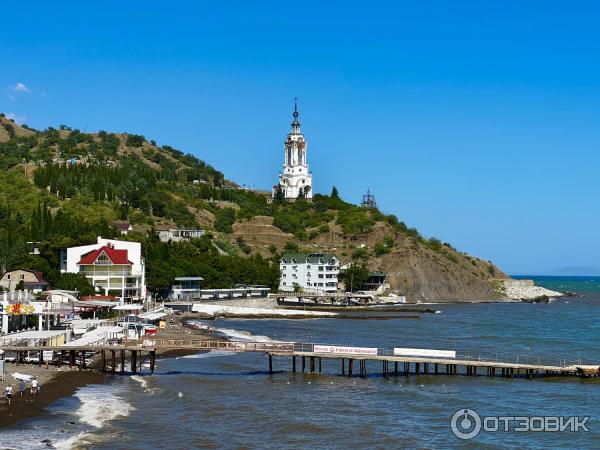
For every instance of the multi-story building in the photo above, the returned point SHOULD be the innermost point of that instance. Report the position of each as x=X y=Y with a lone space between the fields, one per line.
x=310 y=272
x=113 y=267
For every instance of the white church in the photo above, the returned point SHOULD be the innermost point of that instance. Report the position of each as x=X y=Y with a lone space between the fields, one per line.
x=296 y=179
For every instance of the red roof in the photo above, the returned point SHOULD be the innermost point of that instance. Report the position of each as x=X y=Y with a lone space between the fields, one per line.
x=116 y=256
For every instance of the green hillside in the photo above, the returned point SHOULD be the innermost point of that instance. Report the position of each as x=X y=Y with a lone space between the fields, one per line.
x=62 y=187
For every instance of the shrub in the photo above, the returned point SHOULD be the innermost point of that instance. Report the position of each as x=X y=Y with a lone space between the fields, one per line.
x=224 y=219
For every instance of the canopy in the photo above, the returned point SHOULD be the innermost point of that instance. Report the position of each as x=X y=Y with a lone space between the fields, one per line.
x=153 y=316
x=128 y=307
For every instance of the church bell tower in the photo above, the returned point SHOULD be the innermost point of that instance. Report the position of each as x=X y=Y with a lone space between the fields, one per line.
x=296 y=179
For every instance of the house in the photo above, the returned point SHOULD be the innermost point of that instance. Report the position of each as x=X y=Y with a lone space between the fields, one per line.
x=186 y=287
x=122 y=227
x=114 y=267
x=176 y=234
x=32 y=281
x=311 y=272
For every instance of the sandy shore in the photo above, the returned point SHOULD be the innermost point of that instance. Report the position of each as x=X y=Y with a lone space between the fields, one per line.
x=54 y=382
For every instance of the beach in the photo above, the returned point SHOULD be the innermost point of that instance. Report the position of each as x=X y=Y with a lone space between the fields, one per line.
x=54 y=384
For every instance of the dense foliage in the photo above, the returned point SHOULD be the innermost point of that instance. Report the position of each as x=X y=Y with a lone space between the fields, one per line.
x=62 y=187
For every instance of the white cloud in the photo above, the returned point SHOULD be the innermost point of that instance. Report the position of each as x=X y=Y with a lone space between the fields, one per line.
x=19 y=119
x=20 y=87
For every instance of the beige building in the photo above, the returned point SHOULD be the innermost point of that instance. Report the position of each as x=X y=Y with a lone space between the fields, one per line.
x=32 y=281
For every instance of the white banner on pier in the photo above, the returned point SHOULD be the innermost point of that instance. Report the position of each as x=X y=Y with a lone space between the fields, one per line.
x=424 y=352
x=345 y=350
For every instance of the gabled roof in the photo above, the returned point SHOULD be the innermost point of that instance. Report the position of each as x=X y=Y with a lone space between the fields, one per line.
x=116 y=256
x=311 y=258
x=122 y=226
x=38 y=275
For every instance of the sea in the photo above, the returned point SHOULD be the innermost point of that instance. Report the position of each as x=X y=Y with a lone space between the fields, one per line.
x=224 y=400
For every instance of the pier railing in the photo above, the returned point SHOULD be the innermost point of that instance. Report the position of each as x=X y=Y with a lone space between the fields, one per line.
x=303 y=347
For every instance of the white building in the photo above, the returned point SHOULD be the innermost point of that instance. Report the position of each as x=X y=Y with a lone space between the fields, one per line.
x=177 y=234
x=115 y=267
x=296 y=179
x=312 y=272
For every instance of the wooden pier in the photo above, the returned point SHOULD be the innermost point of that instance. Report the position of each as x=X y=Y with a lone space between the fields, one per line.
x=390 y=365
x=113 y=359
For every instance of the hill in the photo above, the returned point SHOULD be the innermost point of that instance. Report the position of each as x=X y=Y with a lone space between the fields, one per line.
x=63 y=187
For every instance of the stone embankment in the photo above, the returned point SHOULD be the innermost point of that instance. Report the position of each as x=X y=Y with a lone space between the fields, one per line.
x=530 y=292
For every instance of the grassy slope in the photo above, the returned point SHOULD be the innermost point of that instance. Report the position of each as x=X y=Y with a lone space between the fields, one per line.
x=421 y=271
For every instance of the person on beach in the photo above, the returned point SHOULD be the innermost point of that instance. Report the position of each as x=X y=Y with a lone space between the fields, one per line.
x=21 y=388
x=8 y=392
x=34 y=386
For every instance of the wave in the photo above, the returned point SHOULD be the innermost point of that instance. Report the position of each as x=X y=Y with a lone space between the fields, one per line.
x=141 y=380
x=209 y=354
x=243 y=335
x=100 y=405
x=235 y=334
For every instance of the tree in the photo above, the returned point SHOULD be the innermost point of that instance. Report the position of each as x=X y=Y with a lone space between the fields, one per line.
x=334 y=193
x=278 y=196
x=75 y=282
x=355 y=276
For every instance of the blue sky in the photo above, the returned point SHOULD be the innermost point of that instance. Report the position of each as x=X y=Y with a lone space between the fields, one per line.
x=476 y=122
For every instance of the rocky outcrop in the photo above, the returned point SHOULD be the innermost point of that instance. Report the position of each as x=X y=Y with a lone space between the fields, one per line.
x=414 y=270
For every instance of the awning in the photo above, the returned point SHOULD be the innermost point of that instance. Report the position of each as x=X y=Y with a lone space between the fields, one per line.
x=128 y=307
x=152 y=316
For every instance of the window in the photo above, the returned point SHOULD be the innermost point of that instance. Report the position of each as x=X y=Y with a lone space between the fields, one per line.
x=320 y=275
x=103 y=260
x=8 y=276
x=321 y=268
x=21 y=276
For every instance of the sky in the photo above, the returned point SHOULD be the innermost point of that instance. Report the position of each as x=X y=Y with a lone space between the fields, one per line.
x=475 y=122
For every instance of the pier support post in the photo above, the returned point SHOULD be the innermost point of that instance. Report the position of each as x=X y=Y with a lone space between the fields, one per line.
x=122 y=362
x=113 y=365
x=270 y=363
x=103 y=361
x=82 y=360
x=320 y=367
x=60 y=358
x=312 y=364
x=294 y=364
x=71 y=358
x=435 y=368
x=303 y=363
x=41 y=358
x=343 y=367
x=406 y=368
x=417 y=367
x=350 y=364
x=134 y=361
x=396 y=368
x=152 y=361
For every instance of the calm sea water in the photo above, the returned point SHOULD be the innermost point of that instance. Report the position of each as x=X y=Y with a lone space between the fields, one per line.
x=218 y=400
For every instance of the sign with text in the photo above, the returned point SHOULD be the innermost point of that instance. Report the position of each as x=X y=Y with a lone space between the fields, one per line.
x=424 y=352
x=345 y=350
x=48 y=355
